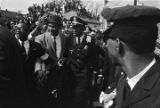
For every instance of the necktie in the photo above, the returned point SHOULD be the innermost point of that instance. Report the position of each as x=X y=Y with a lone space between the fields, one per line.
x=23 y=51
x=23 y=48
x=79 y=40
x=55 y=44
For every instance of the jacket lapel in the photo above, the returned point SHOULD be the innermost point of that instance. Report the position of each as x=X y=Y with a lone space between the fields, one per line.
x=50 y=41
x=143 y=88
x=138 y=94
x=62 y=39
x=120 y=92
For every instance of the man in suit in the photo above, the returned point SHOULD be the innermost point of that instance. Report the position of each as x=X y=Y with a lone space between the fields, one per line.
x=131 y=44
x=53 y=41
x=31 y=52
x=12 y=84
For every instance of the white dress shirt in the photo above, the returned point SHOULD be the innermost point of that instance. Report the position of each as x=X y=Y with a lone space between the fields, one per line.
x=81 y=39
x=133 y=81
x=26 y=44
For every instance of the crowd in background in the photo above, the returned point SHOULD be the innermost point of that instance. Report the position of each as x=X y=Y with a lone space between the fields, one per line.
x=26 y=28
x=31 y=31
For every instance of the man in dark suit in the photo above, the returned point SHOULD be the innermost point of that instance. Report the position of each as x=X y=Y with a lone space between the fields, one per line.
x=31 y=52
x=53 y=41
x=12 y=84
x=131 y=44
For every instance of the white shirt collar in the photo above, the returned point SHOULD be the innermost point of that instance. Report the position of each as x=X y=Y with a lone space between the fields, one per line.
x=81 y=39
x=133 y=81
x=55 y=37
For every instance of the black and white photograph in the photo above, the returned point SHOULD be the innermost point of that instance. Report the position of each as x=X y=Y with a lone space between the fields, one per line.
x=79 y=53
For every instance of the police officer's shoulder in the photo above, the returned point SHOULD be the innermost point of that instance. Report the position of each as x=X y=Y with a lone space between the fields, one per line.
x=5 y=33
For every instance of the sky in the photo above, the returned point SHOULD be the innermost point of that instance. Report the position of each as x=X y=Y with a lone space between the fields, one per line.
x=18 y=5
x=22 y=5
x=94 y=4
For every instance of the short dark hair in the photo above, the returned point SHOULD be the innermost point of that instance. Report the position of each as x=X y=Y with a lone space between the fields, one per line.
x=144 y=45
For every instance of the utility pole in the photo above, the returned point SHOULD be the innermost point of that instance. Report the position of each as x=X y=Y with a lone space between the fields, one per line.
x=105 y=2
x=135 y=2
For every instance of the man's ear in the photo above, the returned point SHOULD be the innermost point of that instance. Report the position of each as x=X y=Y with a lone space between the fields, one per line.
x=119 y=47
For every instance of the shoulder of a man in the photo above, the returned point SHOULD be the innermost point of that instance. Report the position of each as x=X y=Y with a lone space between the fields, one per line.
x=4 y=33
x=120 y=81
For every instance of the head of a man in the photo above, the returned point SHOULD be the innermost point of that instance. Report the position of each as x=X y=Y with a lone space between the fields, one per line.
x=78 y=26
x=54 y=24
x=134 y=32
x=12 y=24
x=22 y=31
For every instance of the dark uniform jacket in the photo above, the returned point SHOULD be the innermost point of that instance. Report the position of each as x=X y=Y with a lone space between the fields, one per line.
x=86 y=54
x=146 y=92
x=35 y=51
x=12 y=85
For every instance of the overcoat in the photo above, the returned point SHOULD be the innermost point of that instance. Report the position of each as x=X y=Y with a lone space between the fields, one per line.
x=146 y=92
x=12 y=84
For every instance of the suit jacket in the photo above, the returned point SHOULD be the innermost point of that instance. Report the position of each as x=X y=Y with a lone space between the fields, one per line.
x=35 y=51
x=12 y=84
x=54 y=77
x=46 y=40
x=146 y=92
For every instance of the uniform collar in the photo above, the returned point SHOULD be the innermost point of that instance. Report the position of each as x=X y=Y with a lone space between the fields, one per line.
x=133 y=81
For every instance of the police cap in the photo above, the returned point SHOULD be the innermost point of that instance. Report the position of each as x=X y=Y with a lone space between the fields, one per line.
x=77 y=21
x=133 y=23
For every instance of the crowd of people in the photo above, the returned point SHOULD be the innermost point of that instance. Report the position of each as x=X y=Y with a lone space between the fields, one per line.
x=47 y=61
x=59 y=64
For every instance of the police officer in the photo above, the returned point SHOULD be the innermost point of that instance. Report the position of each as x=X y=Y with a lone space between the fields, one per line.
x=77 y=48
x=82 y=56
x=131 y=44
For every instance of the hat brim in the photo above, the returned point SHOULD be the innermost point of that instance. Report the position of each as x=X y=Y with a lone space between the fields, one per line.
x=77 y=23
x=54 y=23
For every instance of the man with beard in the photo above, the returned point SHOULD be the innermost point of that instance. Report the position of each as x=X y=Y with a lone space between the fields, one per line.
x=53 y=41
x=131 y=44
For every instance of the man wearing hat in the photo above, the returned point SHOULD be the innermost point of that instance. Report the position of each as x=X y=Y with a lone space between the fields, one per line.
x=131 y=44
x=74 y=45
x=81 y=60
x=53 y=41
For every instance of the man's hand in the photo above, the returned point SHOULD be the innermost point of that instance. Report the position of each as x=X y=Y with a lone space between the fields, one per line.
x=107 y=99
x=54 y=93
